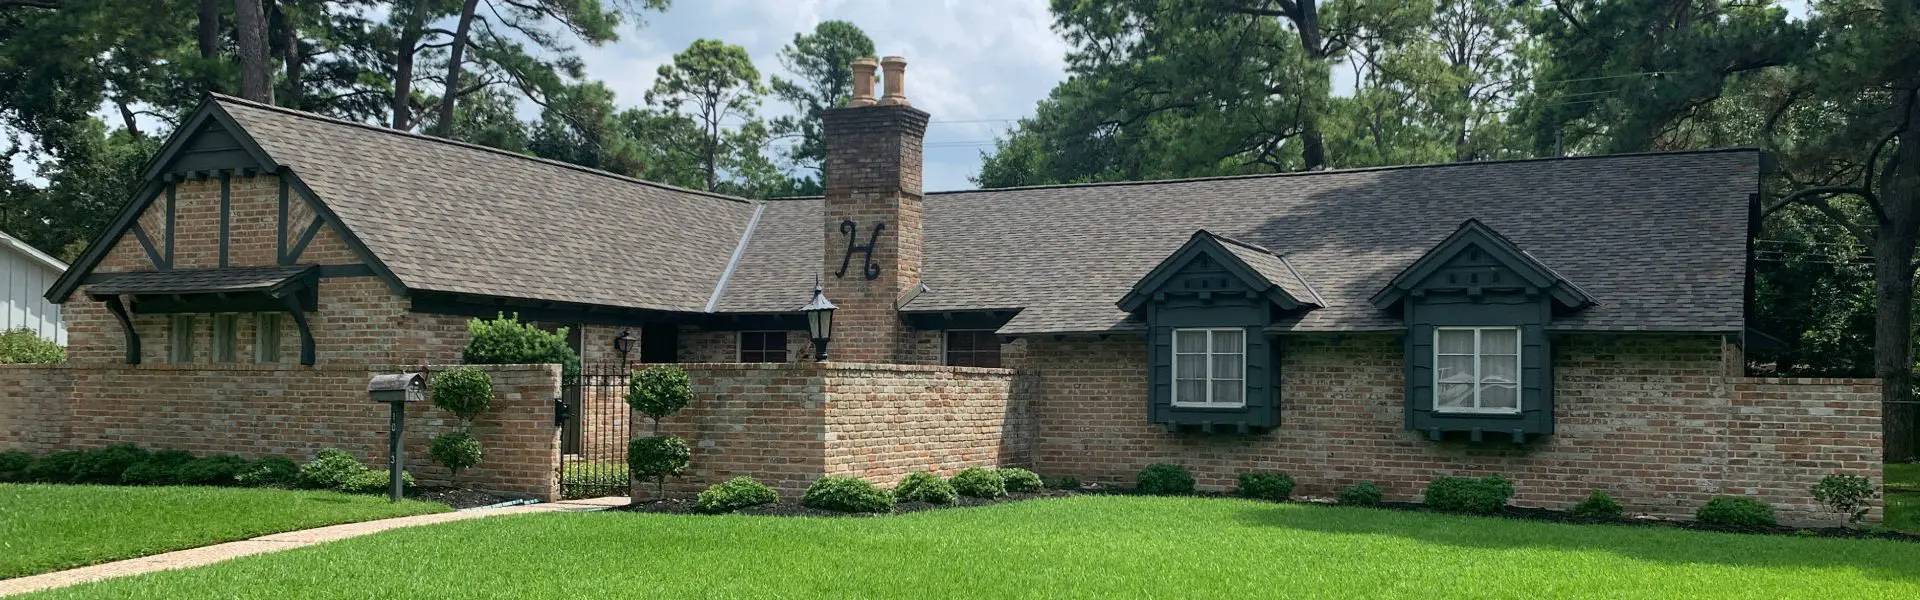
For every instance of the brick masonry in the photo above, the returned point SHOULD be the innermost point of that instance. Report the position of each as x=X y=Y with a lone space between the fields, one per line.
x=1645 y=418
x=278 y=410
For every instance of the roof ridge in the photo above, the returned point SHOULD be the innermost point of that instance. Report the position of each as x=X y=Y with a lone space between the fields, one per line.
x=471 y=146
x=1243 y=243
x=1504 y=161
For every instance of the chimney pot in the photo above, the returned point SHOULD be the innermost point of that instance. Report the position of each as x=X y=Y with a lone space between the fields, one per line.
x=863 y=81
x=896 y=80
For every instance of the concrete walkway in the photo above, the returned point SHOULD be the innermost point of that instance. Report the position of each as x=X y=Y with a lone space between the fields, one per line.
x=207 y=555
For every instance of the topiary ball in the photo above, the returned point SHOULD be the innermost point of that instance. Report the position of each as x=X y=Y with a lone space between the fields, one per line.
x=1020 y=481
x=1164 y=480
x=924 y=486
x=976 y=482
x=464 y=391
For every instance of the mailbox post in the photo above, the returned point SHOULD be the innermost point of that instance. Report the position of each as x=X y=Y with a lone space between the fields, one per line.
x=396 y=390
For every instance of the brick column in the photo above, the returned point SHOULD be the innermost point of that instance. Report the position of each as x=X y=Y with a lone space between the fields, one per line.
x=873 y=173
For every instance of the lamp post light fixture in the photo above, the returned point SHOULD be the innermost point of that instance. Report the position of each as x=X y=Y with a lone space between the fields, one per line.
x=819 y=322
x=623 y=343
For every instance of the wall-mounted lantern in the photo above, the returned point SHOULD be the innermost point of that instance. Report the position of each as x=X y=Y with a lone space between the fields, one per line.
x=396 y=390
x=819 y=322
x=623 y=343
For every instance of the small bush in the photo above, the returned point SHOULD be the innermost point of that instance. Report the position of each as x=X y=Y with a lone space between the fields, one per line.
x=979 y=483
x=1164 y=480
x=106 y=464
x=1364 y=493
x=456 y=450
x=329 y=470
x=1845 y=494
x=1735 y=511
x=1020 y=480
x=656 y=458
x=1599 y=507
x=847 y=494
x=1064 y=482
x=21 y=346
x=505 y=340
x=659 y=391
x=1482 y=495
x=925 y=487
x=13 y=465
x=272 y=471
x=464 y=391
x=1277 y=487
x=160 y=468
x=735 y=494
x=56 y=467
x=375 y=481
x=213 y=470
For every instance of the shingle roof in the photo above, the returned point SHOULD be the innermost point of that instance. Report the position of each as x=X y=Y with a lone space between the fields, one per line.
x=1273 y=267
x=198 y=281
x=452 y=217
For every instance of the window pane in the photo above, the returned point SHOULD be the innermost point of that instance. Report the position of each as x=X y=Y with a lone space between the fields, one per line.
x=1506 y=397
x=1228 y=366
x=1229 y=392
x=1190 y=366
x=1454 y=369
x=959 y=341
x=775 y=343
x=1189 y=341
x=1455 y=341
x=266 y=338
x=1500 y=369
x=226 y=337
x=1453 y=395
x=751 y=341
x=181 y=348
x=1498 y=341
x=1228 y=342
x=1190 y=391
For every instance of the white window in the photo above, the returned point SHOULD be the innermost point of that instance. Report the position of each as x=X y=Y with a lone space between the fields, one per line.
x=266 y=338
x=1210 y=367
x=1476 y=369
x=180 y=348
x=226 y=337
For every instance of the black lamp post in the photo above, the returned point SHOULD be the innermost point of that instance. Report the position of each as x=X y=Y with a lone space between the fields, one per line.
x=819 y=322
x=623 y=343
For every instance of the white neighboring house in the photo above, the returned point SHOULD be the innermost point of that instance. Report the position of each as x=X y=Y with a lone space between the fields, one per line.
x=25 y=275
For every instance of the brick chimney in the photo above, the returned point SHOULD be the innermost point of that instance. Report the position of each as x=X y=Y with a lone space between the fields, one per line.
x=873 y=213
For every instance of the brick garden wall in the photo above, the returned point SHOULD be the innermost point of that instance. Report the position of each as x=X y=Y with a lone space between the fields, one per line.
x=1645 y=418
x=283 y=410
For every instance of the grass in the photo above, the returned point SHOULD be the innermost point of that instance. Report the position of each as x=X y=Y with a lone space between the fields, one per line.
x=1903 y=507
x=1081 y=547
x=52 y=527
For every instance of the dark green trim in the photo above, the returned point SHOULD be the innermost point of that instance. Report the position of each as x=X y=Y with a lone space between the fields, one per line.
x=173 y=208
x=306 y=237
x=146 y=243
x=127 y=329
x=487 y=307
x=941 y=321
x=280 y=229
x=226 y=216
x=1154 y=285
x=332 y=271
x=353 y=241
x=292 y=305
x=1473 y=233
x=177 y=145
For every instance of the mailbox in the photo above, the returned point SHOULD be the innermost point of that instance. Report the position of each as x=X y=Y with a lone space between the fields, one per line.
x=397 y=387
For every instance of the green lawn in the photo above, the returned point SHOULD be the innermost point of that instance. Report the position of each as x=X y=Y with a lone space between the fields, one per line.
x=51 y=527
x=1903 y=507
x=1085 y=547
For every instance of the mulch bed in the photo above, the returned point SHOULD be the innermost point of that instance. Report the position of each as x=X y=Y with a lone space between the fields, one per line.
x=792 y=508
x=457 y=497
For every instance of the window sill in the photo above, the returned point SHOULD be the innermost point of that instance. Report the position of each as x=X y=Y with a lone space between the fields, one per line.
x=1478 y=413
x=1219 y=407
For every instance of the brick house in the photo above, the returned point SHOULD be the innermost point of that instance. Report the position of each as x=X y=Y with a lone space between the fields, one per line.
x=1573 y=324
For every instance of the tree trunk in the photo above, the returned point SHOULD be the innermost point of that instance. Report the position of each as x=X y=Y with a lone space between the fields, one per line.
x=1893 y=252
x=209 y=38
x=296 y=64
x=1313 y=145
x=250 y=25
x=404 y=51
x=454 y=56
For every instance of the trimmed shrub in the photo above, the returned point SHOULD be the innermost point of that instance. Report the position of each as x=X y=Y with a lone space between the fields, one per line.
x=504 y=340
x=1277 y=487
x=213 y=470
x=374 y=481
x=659 y=391
x=272 y=471
x=656 y=458
x=464 y=391
x=456 y=450
x=56 y=467
x=1020 y=480
x=160 y=468
x=13 y=465
x=1735 y=511
x=21 y=346
x=735 y=494
x=106 y=464
x=329 y=470
x=1599 y=507
x=1849 y=495
x=1064 y=482
x=1482 y=495
x=924 y=486
x=847 y=494
x=976 y=482
x=1164 y=480
x=1364 y=493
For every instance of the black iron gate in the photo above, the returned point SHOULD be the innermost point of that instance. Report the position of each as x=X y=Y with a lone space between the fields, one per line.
x=593 y=440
